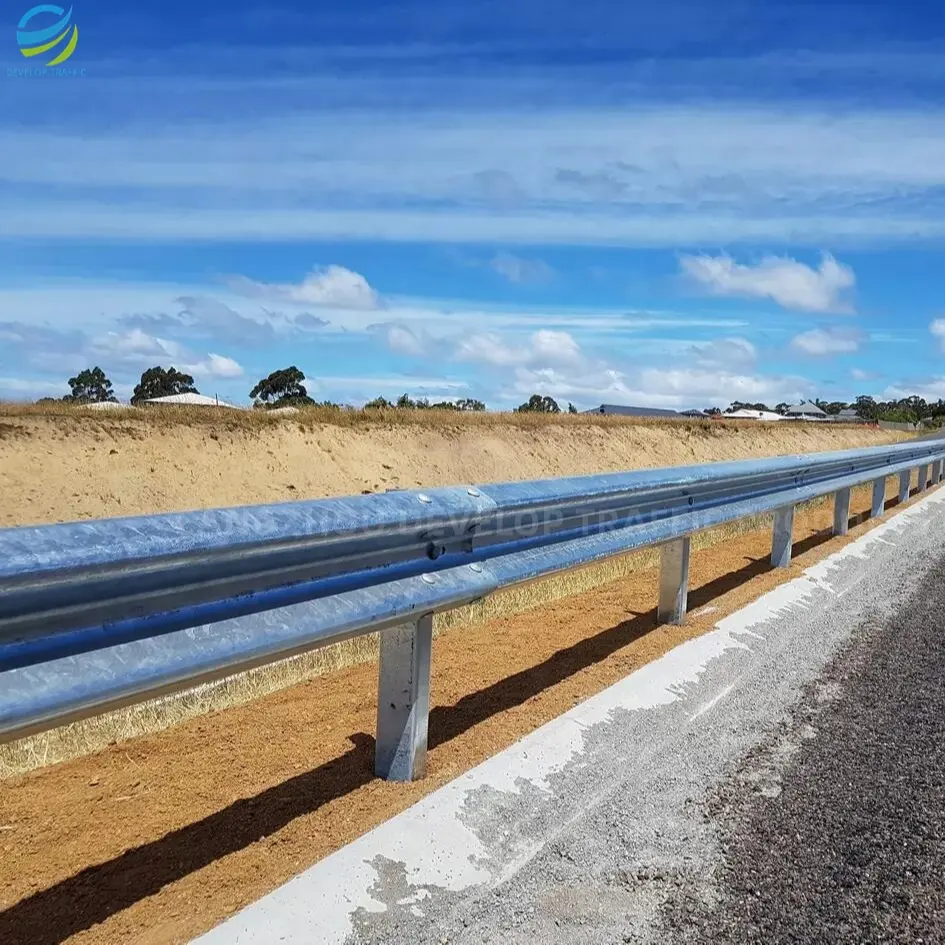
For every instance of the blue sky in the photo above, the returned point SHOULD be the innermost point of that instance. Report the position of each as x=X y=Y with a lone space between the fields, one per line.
x=679 y=205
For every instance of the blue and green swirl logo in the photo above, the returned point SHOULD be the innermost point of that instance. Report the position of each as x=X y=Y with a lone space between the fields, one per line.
x=57 y=38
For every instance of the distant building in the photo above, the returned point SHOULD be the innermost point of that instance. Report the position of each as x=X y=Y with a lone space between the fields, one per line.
x=848 y=415
x=805 y=411
x=191 y=400
x=767 y=416
x=693 y=413
x=626 y=411
x=107 y=405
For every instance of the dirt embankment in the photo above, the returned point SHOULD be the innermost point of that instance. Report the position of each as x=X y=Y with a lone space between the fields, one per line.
x=76 y=465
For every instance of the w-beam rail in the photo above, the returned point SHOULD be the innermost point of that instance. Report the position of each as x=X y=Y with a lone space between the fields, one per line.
x=97 y=615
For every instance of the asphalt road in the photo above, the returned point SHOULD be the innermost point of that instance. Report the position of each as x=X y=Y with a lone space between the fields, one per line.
x=851 y=846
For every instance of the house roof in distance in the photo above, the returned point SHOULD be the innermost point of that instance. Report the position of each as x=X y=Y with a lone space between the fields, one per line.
x=107 y=405
x=630 y=411
x=192 y=400
x=806 y=409
x=747 y=414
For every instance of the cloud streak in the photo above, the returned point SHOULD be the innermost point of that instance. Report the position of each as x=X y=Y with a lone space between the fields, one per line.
x=329 y=287
x=824 y=342
x=666 y=176
x=791 y=284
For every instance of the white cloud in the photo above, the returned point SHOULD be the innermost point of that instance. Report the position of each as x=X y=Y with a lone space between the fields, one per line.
x=401 y=339
x=123 y=352
x=726 y=353
x=359 y=389
x=858 y=374
x=822 y=342
x=216 y=365
x=654 y=175
x=489 y=349
x=937 y=328
x=929 y=389
x=329 y=287
x=651 y=387
x=19 y=388
x=518 y=270
x=543 y=347
x=553 y=363
x=791 y=284
x=722 y=387
x=558 y=225
x=134 y=347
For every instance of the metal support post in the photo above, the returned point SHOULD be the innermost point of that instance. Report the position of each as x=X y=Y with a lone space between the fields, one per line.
x=905 y=482
x=879 y=498
x=841 y=512
x=403 y=700
x=674 y=581
x=782 y=539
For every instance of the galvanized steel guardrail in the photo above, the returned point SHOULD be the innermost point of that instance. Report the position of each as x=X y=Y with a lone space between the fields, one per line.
x=97 y=615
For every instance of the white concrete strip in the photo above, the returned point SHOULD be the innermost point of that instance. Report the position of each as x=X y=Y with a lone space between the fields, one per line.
x=480 y=829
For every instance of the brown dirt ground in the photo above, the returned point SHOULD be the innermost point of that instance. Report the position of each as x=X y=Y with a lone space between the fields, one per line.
x=157 y=839
x=75 y=464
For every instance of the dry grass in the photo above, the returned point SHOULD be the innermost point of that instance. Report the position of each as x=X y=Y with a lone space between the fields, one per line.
x=90 y=735
x=309 y=417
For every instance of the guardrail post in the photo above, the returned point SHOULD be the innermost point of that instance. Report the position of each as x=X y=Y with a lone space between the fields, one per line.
x=782 y=539
x=923 y=478
x=841 y=512
x=403 y=700
x=936 y=472
x=674 y=581
x=879 y=498
x=905 y=481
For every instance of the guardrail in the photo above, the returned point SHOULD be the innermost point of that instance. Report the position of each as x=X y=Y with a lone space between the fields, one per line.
x=101 y=614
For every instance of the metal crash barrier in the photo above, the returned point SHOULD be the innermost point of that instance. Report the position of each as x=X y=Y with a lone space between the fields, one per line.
x=97 y=615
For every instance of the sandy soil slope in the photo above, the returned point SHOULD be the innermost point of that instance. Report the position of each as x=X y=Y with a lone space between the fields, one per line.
x=78 y=464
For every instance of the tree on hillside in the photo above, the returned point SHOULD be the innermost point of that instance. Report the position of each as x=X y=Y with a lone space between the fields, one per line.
x=865 y=407
x=282 y=389
x=379 y=403
x=468 y=403
x=741 y=405
x=162 y=382
x=90 y=386
x=572 y=408
x=538 y=404
x=713 y=411
x=782 y=408
x=406 y=402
